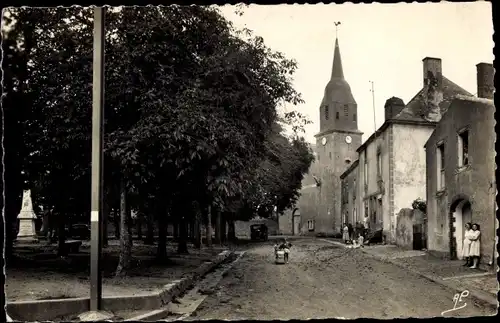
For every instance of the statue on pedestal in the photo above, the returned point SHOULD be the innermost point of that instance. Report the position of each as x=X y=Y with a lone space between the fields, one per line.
x=27 y=217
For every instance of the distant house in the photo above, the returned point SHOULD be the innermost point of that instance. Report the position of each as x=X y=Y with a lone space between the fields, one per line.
x=392 y=160
x=460 y=170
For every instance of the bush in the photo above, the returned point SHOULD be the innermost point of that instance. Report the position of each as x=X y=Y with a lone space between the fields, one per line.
x=419 y=204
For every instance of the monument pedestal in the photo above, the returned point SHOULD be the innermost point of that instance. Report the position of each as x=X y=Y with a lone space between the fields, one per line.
x=27 y=231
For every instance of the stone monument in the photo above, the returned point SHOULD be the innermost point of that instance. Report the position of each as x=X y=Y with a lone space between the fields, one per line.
x=27 y=231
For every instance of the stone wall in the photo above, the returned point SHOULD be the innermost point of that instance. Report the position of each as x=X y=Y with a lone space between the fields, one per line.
x=285 y=223
x=405 y=222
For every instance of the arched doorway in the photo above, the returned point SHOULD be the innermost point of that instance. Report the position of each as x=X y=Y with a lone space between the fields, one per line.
x=461 y=213
x=296 y=221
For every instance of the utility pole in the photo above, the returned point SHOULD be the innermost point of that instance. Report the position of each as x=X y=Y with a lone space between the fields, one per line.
x=373 y=105
x=97 y=161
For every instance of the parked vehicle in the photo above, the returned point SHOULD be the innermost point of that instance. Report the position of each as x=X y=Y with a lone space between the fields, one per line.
x=259 y=232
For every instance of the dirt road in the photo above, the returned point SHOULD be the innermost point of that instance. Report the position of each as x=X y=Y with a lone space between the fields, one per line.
x=324 y=281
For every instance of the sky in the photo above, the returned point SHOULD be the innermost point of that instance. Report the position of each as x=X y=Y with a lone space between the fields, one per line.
x=383 y=43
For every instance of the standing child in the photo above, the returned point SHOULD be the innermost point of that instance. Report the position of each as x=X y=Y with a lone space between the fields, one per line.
x=345 y=235
x=361 y=241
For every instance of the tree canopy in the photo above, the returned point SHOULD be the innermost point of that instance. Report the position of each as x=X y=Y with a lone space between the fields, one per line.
x=191 y=111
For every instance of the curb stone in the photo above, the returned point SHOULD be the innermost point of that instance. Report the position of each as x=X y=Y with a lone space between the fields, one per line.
x=43 y=310
x=162 y=313
x=178 y=287
x=483 y=297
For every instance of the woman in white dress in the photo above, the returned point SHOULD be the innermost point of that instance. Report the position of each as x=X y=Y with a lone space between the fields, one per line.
x=475 y=245
x=466 y=244
x=345 y=235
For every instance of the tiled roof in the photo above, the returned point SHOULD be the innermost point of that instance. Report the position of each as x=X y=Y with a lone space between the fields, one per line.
x=415 y=109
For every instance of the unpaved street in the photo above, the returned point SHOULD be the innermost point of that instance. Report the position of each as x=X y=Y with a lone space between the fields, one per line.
x=323 y=280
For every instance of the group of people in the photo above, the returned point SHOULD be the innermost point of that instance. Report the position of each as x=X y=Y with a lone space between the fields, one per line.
x=354 y=235
x=472 y=245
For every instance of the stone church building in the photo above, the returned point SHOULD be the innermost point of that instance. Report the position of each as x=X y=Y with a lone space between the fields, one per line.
x=319 y=207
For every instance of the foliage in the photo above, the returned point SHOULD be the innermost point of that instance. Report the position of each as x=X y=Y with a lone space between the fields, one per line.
x=419 y=204
x=191 y=111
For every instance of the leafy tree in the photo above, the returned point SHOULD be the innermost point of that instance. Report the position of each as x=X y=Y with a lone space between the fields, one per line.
x=190 y=111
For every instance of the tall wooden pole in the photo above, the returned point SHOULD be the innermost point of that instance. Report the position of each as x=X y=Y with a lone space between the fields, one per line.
x=97 y=161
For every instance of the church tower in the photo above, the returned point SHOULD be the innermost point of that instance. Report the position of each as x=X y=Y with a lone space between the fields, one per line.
x=336 y=143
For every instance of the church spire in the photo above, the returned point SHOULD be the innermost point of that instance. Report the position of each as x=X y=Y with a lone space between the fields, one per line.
x=338 y=107
x=337 y=71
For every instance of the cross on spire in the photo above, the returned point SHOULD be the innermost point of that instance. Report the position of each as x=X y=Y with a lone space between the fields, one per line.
x=337 y=23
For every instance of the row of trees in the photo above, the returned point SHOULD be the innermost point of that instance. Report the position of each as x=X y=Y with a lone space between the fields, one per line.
x=192 y=128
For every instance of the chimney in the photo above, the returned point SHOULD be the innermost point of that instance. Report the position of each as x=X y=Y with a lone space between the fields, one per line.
x=392 y=107
x=433 y=72
x=485 y=80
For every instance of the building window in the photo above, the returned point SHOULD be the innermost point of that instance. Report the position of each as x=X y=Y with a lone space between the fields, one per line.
x=354 y=117
x=379 y=163
x=347 y=191
x=463 y=148
x=337 y=115
x=346 y=110
x=330 y=154
x=310 y=225
x=354 y=189
x=365 y=171
x=326 y=112
x=440 y=166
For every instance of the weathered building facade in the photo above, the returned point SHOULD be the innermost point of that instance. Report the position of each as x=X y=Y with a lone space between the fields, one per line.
x=349 y=194
x=392 y=160
x=460 y=180
x=335 y=150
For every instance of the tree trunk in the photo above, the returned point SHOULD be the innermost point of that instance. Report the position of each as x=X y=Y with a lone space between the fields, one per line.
x=61 y=235
x=182 y=244
x=231 y=232
x=45 y=223
x=223 y=229
x=209 y=226
x=125 y=233
x=175 y=225
x=52 y=226
x=150 y=238
x=139 y=226
x=105 y=217
x=197 y=231
x=116 y=219
x=191 y=229
x=161 y=254
x=218 y=227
